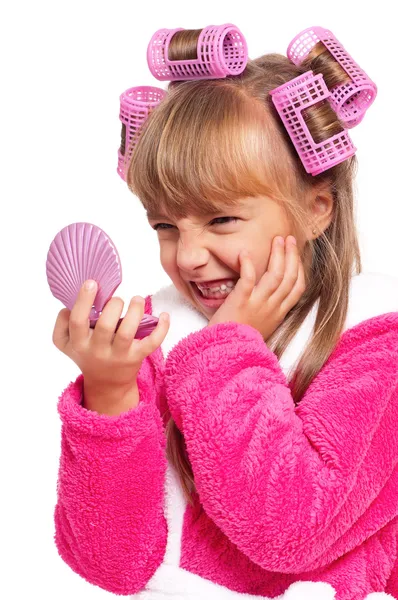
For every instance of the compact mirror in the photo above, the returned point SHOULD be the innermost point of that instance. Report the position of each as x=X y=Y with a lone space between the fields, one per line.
x=83 y=251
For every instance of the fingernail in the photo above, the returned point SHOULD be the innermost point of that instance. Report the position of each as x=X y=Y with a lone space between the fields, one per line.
x=90 y=285
x=293 y=240
x=280 y=240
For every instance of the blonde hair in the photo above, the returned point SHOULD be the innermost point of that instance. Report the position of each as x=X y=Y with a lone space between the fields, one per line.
x=212 y=142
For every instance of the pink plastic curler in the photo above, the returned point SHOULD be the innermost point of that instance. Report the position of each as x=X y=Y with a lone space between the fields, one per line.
x=221 y=51
x=135 y=106
x=83 y=251
x=290 y=99
x=350 y=101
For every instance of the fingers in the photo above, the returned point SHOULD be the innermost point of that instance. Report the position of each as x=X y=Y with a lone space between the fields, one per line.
x=293 y=284
x=297 y=291
x=284 y=278
x=125 y=335
x=291 y=267
x=79 y=325
x=245 y=283
x=151 y=342
x=105 y=327
x=128 y=327
x=61 y=329
x=277 y=263
x=272 y=279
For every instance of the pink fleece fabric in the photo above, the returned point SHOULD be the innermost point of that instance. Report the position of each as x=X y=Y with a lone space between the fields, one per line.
x=284 y=493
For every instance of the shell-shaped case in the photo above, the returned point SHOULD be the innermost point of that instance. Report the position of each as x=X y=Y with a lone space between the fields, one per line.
x=83 y=251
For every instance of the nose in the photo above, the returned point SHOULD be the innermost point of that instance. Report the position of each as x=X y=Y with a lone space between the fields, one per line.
x=191 y=254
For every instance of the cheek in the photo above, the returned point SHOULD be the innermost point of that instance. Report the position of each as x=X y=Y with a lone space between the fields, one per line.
x=168 y=260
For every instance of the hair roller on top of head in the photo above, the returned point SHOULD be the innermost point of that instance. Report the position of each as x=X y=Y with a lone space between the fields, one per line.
x=290 y=99
x=136 y=104
x=221 y=50
x=349 y=100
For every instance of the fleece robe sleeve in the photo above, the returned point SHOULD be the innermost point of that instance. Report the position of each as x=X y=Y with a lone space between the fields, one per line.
x=294 y=487
x=109 y=521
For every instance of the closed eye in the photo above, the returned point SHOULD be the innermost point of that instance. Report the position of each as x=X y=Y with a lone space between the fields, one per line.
x=234 y=219
x=167 y=226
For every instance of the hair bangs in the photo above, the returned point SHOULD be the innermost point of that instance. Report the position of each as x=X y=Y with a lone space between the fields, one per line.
x=204 y=148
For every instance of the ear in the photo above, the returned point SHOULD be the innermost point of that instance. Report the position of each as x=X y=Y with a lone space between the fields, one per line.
x=320 y=210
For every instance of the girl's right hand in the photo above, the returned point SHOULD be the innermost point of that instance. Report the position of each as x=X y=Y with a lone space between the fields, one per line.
x=108 y=360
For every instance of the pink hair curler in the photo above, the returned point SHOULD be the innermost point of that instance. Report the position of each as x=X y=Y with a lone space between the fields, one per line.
x=83 y=251
x=135 y=106
x=290 y=99
x=350 y=101
x=221 y=51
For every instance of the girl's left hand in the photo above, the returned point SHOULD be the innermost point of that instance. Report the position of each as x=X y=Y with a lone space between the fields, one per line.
x=265 y=305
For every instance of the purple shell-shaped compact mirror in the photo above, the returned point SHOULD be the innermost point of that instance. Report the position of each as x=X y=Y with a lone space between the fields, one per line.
x=83 y=251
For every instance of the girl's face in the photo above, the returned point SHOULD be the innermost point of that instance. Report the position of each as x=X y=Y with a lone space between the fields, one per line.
x=205 y=249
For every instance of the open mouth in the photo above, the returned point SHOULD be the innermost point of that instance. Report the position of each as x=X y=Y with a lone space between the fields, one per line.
x=209 y=286
x=211 y=299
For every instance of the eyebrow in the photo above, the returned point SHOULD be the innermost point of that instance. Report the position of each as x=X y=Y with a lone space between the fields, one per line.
x=242 y=204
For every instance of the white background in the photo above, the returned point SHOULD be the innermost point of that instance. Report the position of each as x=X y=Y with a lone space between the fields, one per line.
x=63 y=67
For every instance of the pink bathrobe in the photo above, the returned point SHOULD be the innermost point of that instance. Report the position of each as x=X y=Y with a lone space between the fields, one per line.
x=292 y=502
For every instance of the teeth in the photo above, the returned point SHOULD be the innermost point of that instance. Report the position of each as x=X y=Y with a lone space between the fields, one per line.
x=221 y=288
x=219 y=292
x=217 y=295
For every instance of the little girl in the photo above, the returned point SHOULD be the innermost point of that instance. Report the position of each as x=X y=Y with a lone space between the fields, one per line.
x=248 y=447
